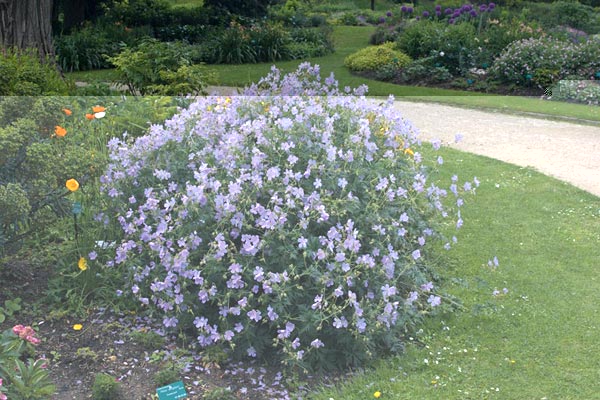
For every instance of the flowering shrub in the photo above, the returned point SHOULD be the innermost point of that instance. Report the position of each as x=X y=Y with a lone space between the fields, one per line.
x=521 y=60
x=578 y=91
x=282 y=219
x=531 y=60
x=374 y=58
x=18 y=379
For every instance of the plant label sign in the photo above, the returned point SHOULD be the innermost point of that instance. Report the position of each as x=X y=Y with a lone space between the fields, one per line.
x=172 y=391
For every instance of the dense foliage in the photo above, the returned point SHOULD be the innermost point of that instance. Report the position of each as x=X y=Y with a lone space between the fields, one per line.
x=280 y=219
x=376 y=58
x=22 y=74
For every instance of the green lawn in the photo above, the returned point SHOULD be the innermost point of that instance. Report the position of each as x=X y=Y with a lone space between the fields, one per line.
x=541 y=339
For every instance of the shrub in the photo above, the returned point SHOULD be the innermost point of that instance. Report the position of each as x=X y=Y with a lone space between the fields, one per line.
x=577 y=91
x=567 y=13
x=160 y=69
x=91 y=46
x=374 y=58
x=309 y=42
x=383 y=35
x=425 y=70
x=35 y=164
x=280 y=220
x=22 y=74
x=527 y=60
x=239 y=44
x=166 y=376
x=105 y=387
x=455 y=44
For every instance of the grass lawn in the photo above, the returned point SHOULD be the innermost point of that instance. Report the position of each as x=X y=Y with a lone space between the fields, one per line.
x=540 y=340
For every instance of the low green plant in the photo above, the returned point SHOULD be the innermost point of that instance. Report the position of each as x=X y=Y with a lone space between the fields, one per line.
x=21 y=375
x=105 y=387
x=149 y=340
x=11 y=306
x=454 y=44
x=157 y=68
x=23 y=74
x=166 y=376
x=576 y=90
x=425 y=70
x=219 y=394
x=91 y=46
x=374 y=58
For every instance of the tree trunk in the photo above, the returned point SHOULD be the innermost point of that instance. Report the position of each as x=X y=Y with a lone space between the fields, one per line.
x=373 y=5
x=27 y=24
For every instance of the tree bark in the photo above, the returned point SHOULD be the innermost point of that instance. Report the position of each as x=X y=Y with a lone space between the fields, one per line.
x=373 y=5
x=27 y=24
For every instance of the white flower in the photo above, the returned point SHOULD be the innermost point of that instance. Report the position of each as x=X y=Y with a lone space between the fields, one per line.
x=99 y=115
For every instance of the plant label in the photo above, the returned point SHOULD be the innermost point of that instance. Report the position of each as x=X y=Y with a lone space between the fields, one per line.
x=172 y=391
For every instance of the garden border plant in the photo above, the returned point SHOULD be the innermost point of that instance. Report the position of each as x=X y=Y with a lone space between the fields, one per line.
x=244 y=222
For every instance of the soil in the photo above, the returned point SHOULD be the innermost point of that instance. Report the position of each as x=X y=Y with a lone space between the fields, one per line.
x=105 y=345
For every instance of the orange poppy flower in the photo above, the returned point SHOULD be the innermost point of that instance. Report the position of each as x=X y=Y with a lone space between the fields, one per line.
x=97 y=109
x=72 y=185
x=67 y=111
x=60 y=131
x=90 y=116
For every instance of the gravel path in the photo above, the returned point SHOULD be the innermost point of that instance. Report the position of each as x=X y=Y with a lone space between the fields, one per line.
x=564 y=150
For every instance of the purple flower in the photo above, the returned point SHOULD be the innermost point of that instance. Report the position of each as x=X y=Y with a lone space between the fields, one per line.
x=92 y=255
x=434 y=300
x=483 y=8
x=416 y=254
x=254 y=315
x=389 y=13
x=409 y=10
x=317 y=343
x=438 y=8
x=381 y=20
x=491 y=6
x=425 y=14
x=448 y=11
x=251 y=351
x=404 y=9
x=473 y=13
x=427 y=287
x=412 y=297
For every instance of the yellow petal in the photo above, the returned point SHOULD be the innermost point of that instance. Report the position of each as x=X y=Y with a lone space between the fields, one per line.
x=82 y=264
x=77 y=327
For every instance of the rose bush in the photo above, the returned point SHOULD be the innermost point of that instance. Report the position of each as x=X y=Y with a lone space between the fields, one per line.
x=297 y=218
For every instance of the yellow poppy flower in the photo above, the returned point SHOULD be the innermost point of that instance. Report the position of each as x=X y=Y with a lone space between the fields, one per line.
x=97 y=109
x=377 y=394
x=409 y=151
x=90 y=116
x=77 y=327
x=67 y=111
x=82 y=264
x=60 y=131
x=72 y=185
